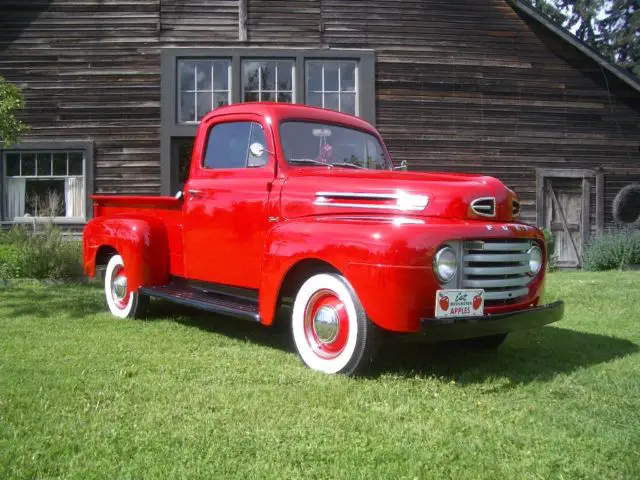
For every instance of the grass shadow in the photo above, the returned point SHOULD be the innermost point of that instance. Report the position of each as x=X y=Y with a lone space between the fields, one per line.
x=534 y=355
x=48 y=300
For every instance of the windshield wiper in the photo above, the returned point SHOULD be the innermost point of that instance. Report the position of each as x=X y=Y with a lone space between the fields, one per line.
x=347 y=164
x=308 y=160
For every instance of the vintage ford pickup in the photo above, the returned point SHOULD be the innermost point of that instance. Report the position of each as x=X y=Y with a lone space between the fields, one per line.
x=301 y=208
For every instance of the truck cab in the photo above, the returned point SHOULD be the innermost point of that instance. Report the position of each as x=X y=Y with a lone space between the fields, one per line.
x=290 y=206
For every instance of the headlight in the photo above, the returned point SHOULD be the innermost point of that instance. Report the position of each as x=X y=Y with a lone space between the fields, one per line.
x=445 y=264
x=535 y=260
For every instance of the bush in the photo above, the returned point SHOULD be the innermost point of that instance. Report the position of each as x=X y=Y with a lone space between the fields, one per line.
x=9 y=261
x=550 y=245
x=42 y=255
x=613 y=251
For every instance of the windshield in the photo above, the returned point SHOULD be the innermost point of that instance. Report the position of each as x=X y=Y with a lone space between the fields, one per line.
x=310 y=143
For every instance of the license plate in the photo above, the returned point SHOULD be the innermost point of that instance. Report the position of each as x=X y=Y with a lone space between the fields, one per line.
x=459 y=303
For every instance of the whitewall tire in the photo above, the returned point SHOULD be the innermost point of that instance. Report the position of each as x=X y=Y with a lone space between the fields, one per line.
x=331 y=331
x=122 y=302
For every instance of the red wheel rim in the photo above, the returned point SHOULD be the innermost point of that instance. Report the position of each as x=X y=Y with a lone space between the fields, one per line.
x=119 y=288
x=326 y=324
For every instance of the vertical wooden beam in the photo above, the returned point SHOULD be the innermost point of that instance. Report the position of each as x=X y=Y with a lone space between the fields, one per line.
x=540 y=199
x=242 y=20
x=586 y=212
x=600 y=201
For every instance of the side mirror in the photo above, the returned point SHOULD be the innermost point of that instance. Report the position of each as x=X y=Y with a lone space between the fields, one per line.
x=256 y=149
x=403 y=166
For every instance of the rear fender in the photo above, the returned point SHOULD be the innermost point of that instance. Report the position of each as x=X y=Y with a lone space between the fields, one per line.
x=142 y=243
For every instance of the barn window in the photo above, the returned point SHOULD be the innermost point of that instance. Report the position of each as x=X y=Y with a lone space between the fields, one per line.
x=203 y=85
x=197 y=80
x=47 y=184
x=268 y=81
x=333 y=85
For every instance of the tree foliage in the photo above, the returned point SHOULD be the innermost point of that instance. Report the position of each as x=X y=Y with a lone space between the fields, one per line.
x=11 y=103
x=612 y=27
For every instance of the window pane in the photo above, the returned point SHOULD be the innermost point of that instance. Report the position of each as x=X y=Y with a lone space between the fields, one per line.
x=203 y=75
x=250 y=76
x=204 y=104
x=314 y=99
x=43 y=161
x=75 y=163
x=268 y=97
x=59 y=163
x=331 y=101
x=13 y=164
x=28 y=164
x=258 y=136
x=314 y=77
x=251 y=97
x=220 y=99
x=331 y=76
x=348 y=103
x=44 y=198
x=186 y=73
x=285 y=75
x=284 y=97
x=187 y=107
x=348 y=77
x=227 y=145
x=268 y=73
x=221 y=75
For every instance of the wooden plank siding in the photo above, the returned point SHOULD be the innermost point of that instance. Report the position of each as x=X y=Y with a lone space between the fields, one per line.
x=461 y=85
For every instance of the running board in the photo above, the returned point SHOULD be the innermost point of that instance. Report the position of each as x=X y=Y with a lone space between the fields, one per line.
x=192 y=297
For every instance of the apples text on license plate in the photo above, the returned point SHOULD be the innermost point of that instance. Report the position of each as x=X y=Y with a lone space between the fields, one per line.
x=459 y=303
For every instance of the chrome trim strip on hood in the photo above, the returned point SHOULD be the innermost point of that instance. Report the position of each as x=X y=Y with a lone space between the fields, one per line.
x=404 y=201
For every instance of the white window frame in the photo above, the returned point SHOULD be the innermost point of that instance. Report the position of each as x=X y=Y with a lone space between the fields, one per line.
x=260 y=90
x=85 y=148
x=340 y=92
x=212 y=91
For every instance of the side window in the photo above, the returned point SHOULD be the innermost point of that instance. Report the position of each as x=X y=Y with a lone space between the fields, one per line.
x=228 y=146
x=258 y=136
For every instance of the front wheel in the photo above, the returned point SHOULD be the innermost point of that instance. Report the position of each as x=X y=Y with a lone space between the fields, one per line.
x=330 y=328
x=122 y=302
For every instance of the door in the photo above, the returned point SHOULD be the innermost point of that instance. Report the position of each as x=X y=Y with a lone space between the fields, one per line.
x=563 y=216
x=226 y=212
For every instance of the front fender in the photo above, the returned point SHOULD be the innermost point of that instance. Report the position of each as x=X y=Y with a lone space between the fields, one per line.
x=355 y=246
x=142 y=243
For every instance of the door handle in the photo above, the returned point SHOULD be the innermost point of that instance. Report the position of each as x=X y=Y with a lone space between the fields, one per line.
x=194 y=193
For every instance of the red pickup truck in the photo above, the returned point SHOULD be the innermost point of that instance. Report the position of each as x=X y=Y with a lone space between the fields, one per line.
x=301 y=207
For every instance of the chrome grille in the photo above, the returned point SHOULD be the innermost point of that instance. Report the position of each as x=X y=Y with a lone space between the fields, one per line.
x=499 y=267
x=485 y=207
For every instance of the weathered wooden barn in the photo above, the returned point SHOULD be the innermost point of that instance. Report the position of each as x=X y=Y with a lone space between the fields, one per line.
x=115 y=89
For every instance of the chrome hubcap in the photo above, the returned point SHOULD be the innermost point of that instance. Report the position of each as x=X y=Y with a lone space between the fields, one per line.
x=120 y=287
x=326 y=324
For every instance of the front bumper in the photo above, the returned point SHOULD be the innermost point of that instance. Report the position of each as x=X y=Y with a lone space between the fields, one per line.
x=438 y=329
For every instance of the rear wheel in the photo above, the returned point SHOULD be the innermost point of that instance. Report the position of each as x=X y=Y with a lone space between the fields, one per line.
x=122 y=302
x=331 y=331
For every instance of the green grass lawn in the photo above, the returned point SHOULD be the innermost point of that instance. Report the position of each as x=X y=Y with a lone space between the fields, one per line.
x=183 y=394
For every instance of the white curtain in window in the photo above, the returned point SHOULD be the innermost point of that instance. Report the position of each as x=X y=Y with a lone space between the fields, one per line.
x=73 y=196
x=15 y=197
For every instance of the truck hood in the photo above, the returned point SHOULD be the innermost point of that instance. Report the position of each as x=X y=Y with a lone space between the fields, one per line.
x=322 y=191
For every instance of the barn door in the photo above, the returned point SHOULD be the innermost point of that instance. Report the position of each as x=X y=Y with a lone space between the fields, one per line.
x=564 y=206
x=564 y=210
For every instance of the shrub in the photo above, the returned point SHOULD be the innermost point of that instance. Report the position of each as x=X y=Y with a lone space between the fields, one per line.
x=42 y=255
x=550 y=245
x=9 y=261
x=613 y=251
